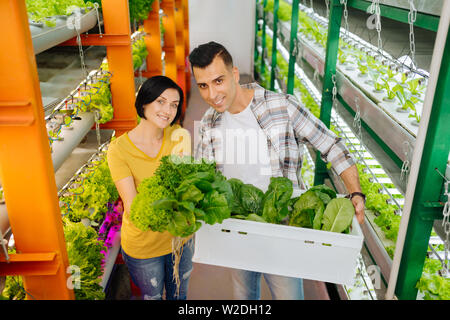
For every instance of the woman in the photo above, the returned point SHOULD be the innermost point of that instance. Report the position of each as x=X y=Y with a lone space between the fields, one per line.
x=134 y=156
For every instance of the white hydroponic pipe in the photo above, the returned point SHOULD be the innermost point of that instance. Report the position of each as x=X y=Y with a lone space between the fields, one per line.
x=438 y=50
x=72 y=138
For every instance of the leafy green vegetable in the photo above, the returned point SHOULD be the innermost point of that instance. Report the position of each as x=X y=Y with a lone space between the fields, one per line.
x=338 y=215
x=90 y=199
x=215 y=206
x=84 y=252
x=180 y=194
x=142 y=213
x=431 y=284
x=276 y=199
x=306 y=209
x=251 y=198
x=235 y=203
x=324 y=192
x=173 y=169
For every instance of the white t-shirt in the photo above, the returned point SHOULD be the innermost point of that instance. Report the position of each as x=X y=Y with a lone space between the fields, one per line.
x=245 y=151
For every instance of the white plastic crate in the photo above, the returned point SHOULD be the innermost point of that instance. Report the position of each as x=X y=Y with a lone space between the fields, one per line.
x=279 y=249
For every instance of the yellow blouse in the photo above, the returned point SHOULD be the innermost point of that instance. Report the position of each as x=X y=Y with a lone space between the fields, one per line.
x=125 y=160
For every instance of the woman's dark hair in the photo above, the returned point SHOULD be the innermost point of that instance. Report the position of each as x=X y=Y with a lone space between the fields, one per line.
x=204 y=54
x=151 y=89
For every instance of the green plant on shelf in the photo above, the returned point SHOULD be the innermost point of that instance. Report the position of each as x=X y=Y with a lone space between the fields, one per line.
x=416 y=86
x=414 y=114
x=362 y=67
x=390 y=73
x=46 y=11
x=391 y=90
x=139 y=53
x=432 y=284
x=407 y=100
x=342 y=56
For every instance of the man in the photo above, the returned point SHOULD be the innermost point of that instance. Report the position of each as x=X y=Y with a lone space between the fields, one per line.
x=253 y=134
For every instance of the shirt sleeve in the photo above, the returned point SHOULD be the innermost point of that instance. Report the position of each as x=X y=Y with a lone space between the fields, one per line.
x=204 y=145
x=311 y=130
x=117 y=165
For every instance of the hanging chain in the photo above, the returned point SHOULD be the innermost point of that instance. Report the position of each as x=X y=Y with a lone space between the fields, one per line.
x=446 y=225
x=97 y=126
x=344 y=2
x=334 y=90
x=411 y=19
x=80 y=49
x=405 y=166
x=96 y=5
x=375 y=8
x=357 y=125
x=327 y=3
x=311 y=5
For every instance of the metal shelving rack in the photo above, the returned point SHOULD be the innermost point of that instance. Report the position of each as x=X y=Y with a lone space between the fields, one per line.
x=382 y=134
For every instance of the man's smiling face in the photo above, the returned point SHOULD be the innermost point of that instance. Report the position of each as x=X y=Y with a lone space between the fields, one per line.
x=217 y=84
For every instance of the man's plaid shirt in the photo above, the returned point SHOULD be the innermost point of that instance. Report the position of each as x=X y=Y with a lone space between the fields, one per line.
x=287 y=125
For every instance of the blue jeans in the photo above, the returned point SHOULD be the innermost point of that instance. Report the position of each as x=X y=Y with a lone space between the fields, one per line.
x=247 y=286
x=152 y=275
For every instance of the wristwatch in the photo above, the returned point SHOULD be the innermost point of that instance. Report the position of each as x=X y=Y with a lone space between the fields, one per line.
x=351 y=195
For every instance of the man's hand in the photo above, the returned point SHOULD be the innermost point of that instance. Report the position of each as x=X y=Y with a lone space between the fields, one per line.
x=358 y=203
x=351 y=180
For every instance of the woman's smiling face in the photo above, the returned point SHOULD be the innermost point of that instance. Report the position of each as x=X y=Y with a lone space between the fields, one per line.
x=163 y=109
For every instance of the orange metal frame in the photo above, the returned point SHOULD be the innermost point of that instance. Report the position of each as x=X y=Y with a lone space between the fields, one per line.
x=117 y=39
x=41 y=257
x=153 y=42
x=26 y=166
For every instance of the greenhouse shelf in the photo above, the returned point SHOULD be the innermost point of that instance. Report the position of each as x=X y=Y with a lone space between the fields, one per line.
x=388 y=129
x=45 y=37
x=392 y=127
x=362 y=288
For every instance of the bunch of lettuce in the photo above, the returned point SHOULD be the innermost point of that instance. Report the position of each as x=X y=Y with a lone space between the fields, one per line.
x=432 y=284
x=99 y=98
x=139 y=53
x=46 y=10
x=84 y=252
x=142 y=213
x=250 y=203
x=318 y=208
x=182 y=193
x=90 y=199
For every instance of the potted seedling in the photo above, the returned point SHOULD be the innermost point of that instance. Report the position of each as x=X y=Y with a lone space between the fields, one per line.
x=416 y=86
x=342 y=57
x=391 y=72
x=377 y=82
x=404 y=77
x=407 y=100
x=414 y=115
x=390 y=91
x=363 y=69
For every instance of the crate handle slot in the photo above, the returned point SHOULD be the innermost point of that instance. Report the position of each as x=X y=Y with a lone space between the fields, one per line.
x=242 y=232
x=327 y=244
x=309 y=241
x=225 y=230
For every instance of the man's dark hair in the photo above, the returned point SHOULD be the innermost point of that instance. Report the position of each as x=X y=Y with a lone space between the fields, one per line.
x=151 y=89
x=204 y=54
